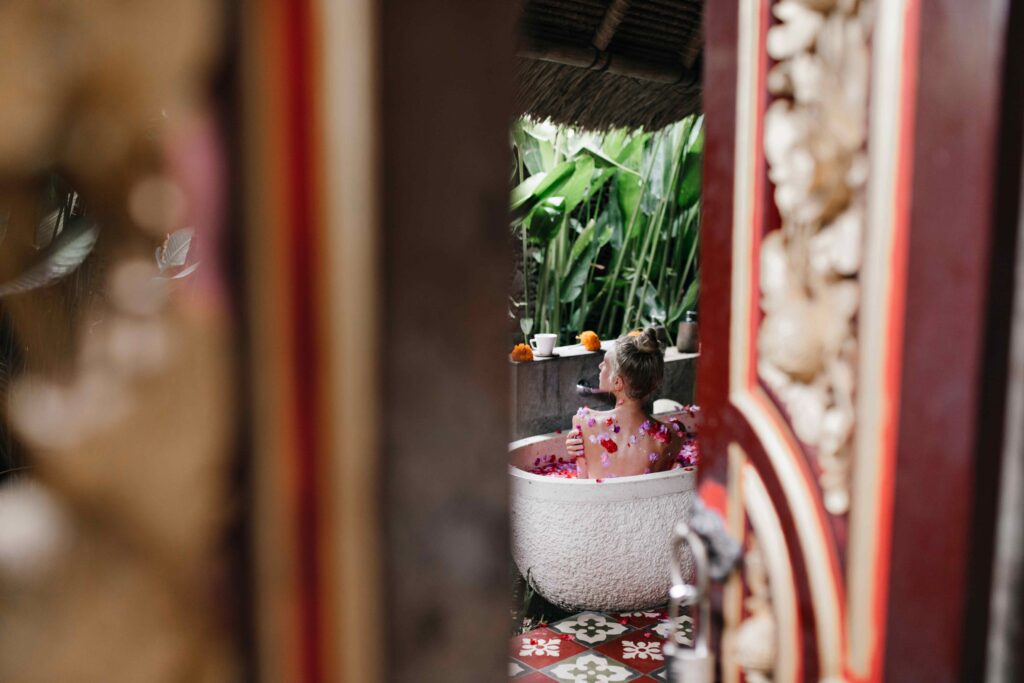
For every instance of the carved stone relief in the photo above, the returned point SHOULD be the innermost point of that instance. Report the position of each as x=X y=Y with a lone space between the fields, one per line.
x=815 y=137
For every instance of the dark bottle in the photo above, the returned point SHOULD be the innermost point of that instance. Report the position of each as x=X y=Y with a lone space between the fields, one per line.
x=687 y=340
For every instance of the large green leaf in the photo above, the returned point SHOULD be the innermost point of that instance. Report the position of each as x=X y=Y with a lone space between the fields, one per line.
x=538 y=155
x=577 y=140
x=632 y=154
x=572 y=286
x=695 y=143
x=554 y=180
x=603 y=160
x=659 y=156
x=575 y=187
x=690 y=176
x=629 y=187
x=659 y=159
x=545 y=219
x=541 y=130
x=609 y=222
x=583 y=241
x=604 y=226
x=598 y=181
x=577 y=317
x=653 y=308
x=539 y=187
x=523 y=192
x=690 y=298
x=676 y=225
x=630 y=193
x=613 y=141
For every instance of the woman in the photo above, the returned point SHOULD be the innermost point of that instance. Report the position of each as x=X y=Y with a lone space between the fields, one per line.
x=626 y=441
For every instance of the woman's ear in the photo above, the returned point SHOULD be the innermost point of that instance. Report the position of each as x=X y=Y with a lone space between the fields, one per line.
x=617 y=383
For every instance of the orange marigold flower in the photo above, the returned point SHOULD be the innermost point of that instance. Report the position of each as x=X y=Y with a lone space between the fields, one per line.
x=521 y=353
x=590 y=340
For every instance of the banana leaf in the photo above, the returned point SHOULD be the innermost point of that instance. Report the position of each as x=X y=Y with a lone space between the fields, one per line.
x=572 y=286
x=545 y=220
x=598 y=182
x=613 y=141
x=574 y=188
x=690 y=178
x=523 y=192
x=528 y=193
x=653 y=309
x=583 y=241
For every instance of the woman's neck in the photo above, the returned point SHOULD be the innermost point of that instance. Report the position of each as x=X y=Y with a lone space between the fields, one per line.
x=628 y=406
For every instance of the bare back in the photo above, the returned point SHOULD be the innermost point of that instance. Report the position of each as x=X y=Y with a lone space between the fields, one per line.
x=626 y=445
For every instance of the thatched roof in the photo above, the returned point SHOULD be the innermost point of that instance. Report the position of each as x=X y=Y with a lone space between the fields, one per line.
x=609 y=63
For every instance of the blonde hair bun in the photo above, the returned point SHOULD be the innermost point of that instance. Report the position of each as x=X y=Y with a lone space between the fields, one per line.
x=647 y=341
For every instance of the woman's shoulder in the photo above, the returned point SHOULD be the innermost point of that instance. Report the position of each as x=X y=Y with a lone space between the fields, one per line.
x=590 y=418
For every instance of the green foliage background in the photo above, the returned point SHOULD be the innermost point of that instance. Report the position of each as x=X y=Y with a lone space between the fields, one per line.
x=608 y=225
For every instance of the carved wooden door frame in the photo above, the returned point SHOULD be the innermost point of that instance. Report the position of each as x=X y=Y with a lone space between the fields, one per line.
x=851 y=549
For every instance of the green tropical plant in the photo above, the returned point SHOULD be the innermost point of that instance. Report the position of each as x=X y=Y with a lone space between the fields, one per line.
x=608 y=226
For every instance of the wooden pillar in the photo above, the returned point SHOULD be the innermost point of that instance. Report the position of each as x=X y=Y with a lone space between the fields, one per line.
x=378 y=157
x=445 y=87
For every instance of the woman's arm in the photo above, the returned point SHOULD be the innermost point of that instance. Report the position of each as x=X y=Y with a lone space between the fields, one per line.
x=574 y=448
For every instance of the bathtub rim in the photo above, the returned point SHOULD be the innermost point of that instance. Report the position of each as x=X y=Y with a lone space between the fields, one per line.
x=610 y=490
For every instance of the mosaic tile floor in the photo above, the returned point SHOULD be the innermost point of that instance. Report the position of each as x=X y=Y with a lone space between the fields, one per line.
x=596 y=647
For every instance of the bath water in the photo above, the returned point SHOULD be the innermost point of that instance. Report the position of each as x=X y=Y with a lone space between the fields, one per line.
x=553 y=466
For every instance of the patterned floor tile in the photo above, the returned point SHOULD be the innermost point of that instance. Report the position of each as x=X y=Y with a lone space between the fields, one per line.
x=642 y=618
x=684 y=630
x=542 y=646
x=517 y=670
x=592 y=667
x=643 y=654
x=595 y=647
x=535 y=677
x=592 y=628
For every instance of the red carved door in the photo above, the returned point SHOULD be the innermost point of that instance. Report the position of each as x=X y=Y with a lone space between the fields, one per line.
x=851 y=161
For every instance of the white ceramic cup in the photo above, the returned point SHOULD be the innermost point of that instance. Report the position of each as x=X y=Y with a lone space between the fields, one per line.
x=543 y=344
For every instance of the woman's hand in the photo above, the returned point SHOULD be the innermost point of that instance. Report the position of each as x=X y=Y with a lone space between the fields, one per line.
x=574 y=443
x=581 y=468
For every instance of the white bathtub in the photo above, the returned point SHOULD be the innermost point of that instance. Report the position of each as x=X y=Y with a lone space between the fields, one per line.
x=598 y=546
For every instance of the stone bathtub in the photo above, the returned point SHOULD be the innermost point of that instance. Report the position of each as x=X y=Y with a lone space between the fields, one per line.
x=597 y=546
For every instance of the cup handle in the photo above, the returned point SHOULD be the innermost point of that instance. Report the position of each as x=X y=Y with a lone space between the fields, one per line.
x=533 y=344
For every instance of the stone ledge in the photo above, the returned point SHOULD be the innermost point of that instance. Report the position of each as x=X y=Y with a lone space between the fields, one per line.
x=544 y=396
